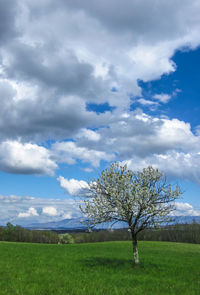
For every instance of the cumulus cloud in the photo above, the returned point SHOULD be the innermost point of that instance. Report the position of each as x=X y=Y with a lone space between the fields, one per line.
x=142 y=140
x=72 y=186
x=54 y=75
x=143 y=135
x=31 y=212
x=185 y=209
x=49 y=77
x=177 y=165
x=135 y=137
x=28 y=158
x=89 y=135
x=68 y=152
x=26 y=114
x=51 y=211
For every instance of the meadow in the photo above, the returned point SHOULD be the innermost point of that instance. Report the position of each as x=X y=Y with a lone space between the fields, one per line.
x=99 y=268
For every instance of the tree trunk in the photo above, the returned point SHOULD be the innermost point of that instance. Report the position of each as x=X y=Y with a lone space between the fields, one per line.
x=135 y=249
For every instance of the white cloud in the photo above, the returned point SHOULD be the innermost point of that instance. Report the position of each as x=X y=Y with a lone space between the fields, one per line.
x=164 y=98
x=27 y=158
x=31 y=212
x=146 y=102
x=72 y=186
x=158 y=99
x=49 y=210
x=185 y=209
x=50 y=78
x=142 y=135
x=68 y=152
x=48 y=81
x=89 y=134
x=134 y=137
x=143 y=140
x=174 y=164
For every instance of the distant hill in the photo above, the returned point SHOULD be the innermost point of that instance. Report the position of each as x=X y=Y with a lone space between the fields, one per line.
x=76 y=224
x=187 y=219
x=70 y=224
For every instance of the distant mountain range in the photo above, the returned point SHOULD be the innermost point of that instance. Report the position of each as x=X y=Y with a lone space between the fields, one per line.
x=187 y=219
x=76 y=224
x=68 y=224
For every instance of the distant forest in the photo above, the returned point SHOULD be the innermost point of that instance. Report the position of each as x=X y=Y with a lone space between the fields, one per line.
x=186 y=233
x=17 y=233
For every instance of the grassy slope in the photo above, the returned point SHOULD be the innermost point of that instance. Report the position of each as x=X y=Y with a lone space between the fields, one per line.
x=100 y=268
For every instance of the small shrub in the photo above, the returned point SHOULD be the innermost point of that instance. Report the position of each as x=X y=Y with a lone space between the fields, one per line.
x=66 y=239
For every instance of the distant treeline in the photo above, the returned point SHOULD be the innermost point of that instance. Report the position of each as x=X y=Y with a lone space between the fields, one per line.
x=183 y=233
x=186 y=233
x=19 y=234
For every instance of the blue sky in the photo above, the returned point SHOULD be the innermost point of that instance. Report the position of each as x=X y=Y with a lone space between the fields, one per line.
x=84 y=84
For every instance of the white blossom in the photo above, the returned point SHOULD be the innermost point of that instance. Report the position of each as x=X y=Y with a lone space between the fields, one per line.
x=142 y=199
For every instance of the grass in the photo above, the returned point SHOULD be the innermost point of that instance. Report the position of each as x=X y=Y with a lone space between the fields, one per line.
x=99 y=268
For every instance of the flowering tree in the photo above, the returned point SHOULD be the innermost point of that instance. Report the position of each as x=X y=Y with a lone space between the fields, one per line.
x=142 y=199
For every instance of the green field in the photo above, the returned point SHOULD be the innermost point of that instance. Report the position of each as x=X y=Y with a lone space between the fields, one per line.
x=99 y=268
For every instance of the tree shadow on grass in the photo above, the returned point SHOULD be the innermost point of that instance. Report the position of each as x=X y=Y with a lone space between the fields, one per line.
x=109 y=263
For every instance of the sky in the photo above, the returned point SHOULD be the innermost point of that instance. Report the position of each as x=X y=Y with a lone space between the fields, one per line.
x=87 y=83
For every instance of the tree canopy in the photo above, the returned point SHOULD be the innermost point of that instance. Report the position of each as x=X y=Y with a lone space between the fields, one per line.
x=142 y=199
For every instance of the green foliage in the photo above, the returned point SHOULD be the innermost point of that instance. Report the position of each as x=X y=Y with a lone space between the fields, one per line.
x=102 y=236
x=66 y=239
x=99 y=268
x=19 y=234
x=185 y=233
